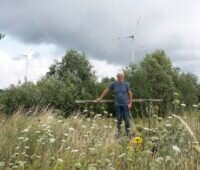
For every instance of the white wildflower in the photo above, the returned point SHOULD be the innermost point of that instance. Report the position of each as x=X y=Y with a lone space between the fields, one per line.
x=168 y=158
x=2 y=164
x=52 y=140
x=59 y=121
x=159 y=160
x=66 y=134
x=63 y=141
x=67 y=148
x=60 y=160
x=105 y=126
x=168 y=125
x=74 y=150
x=194 y=105
x=25 y=130
x=27 y=147
x=83 y=126
x=17 y=147
x=122 y=155
x=91 y=149
x=49 y=118
x=183 y=105
x=176 y=149
x=71 y=129
x=25 y=139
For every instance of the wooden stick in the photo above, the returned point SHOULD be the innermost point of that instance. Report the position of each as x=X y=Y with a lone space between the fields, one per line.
x=111 y=101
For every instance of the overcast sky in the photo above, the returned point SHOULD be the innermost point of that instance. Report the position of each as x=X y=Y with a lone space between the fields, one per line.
x=47 y=28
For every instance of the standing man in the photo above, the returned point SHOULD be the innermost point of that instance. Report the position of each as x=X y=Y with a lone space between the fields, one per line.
x=122 y=100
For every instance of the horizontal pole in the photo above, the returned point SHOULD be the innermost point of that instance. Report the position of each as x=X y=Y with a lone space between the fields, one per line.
x=112 y=101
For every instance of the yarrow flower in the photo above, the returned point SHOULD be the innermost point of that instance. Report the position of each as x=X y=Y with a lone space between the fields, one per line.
x=52 y=140
x=122 y=155
x=176 y=149
x=183 y=105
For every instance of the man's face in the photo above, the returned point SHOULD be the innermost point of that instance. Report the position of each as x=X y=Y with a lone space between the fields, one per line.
x=120 y=77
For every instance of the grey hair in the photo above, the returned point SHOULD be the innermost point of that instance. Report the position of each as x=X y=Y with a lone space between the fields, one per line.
x=120 y=72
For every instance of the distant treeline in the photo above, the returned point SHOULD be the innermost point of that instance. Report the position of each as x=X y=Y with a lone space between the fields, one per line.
x=72 y=78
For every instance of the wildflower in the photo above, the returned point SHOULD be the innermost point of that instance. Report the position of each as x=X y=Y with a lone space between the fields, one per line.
x=60 y=160
x=63 y=141
x=20 y=138
x=176 y=149
x=17 y=147
x=52 y=140
x=170 y=117
x=159 y=160
x=27 y=147
x=66 y=134
x=183 y=105
x=74 y=150
x=85 y=111
x=25 y=130
x=154 y=138
x=105 y=126
x=2 y=164
x=25 y=139
x=83 y=126
x=122 y=155
x=91 y=149
x=71 y=129
x=67 y=148
x=107 y=160
x=168 y=158
x=168 y=125
x=59 y=121
x=194 y=105
x=37 y=131
x=136 y=141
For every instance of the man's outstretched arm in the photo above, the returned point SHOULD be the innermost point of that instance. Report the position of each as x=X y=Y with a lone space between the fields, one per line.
x=104 y=93
x=130 y=96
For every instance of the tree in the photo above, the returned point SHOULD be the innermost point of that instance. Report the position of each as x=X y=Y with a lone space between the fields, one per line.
x=75 y=71
x=2 y=36
x=158 y=71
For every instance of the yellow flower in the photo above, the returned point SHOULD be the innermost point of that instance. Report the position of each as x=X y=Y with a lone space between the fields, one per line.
x=136 y=141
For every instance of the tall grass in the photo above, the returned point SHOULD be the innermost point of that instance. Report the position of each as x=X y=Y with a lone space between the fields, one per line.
x=50 y=142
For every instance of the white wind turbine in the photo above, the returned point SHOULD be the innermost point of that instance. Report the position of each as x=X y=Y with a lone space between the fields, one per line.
x=27 y=56
x=133 y=39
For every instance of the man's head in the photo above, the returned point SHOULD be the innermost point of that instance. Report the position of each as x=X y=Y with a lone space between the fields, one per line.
x=120 y=76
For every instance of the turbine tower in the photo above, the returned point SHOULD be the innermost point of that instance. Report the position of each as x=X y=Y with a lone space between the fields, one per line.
x=26 y=56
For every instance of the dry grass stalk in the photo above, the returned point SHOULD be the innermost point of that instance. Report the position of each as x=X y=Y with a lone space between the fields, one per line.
x=196 y=143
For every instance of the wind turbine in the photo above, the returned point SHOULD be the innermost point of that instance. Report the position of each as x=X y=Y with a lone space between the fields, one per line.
x=133 y=39
x=26 y=56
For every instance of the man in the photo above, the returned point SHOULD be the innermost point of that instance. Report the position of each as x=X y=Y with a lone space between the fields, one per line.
x=122 y=99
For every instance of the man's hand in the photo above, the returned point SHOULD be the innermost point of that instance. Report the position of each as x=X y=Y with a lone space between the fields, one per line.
x=98 y=99
x=129 y=105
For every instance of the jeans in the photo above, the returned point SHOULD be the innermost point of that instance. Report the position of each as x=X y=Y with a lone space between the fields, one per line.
x=122 y=112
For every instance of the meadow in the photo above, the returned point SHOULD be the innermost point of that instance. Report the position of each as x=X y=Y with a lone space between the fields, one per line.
x=47 y=141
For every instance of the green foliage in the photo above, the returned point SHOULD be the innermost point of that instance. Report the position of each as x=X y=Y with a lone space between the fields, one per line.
x=2 y=36
x=25 y=95
x=75 y=70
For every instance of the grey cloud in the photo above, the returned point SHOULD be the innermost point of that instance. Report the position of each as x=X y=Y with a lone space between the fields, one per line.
x=90 y=26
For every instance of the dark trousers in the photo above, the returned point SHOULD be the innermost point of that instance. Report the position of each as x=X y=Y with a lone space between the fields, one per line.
x=122 y=112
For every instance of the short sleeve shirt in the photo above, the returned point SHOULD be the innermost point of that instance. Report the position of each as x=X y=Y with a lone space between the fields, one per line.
x=120 y=91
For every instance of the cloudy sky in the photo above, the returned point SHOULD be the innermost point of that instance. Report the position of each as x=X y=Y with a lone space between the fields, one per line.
x=45 y=29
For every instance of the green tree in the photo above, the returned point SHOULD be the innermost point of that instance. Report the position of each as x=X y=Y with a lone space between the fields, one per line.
x=2 y=36
x=158 y=71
